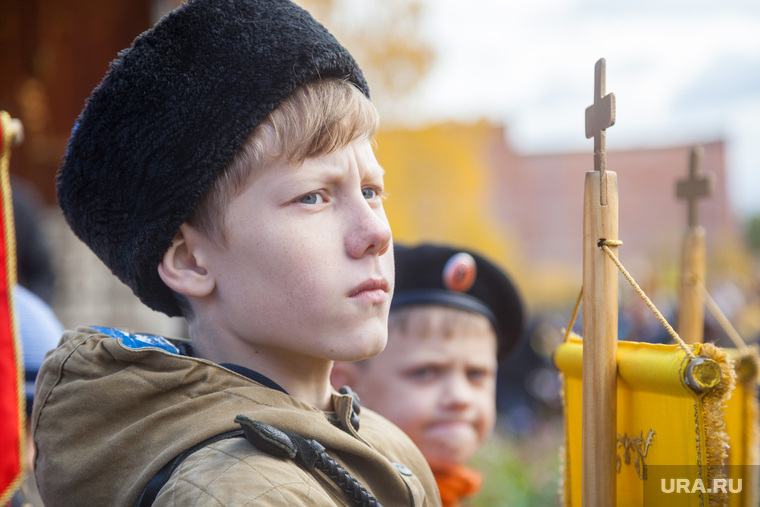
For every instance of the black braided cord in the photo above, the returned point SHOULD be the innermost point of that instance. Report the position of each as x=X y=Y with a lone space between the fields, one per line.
x=352 y=487
x=309 y=454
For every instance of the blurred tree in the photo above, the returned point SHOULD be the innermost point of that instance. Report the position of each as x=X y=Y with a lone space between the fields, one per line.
x=384 y=38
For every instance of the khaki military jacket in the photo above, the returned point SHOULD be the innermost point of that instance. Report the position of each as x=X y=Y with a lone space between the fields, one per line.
x=109 y=414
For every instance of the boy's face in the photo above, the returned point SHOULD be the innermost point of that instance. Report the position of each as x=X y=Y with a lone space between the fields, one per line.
x=307 y=270
x=441 y=390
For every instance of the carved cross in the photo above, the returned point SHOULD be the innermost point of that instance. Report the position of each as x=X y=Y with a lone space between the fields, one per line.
x=600 y=116
x=697 y=185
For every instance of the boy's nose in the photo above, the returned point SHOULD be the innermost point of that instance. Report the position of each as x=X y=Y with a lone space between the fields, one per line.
x=458 y=392
x=370 y=231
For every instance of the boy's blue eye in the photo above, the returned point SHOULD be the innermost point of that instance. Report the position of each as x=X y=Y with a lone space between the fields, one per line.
x=369 y=192
x=312 y=198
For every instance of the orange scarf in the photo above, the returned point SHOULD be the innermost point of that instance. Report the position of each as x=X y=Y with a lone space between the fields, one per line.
x=455 y=482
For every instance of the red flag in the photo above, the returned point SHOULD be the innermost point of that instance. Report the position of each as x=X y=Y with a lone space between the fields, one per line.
x=12 y=398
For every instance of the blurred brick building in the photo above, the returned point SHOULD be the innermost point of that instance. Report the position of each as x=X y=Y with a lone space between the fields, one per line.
x=526 y=209
x=540 y=198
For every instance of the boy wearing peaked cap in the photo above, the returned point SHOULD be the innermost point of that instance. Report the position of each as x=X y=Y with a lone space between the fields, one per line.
x=223 y=170
x=454 y=317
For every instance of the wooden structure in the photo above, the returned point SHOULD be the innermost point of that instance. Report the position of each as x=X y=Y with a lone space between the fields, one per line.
x=600 y=318
x=53 y=54
x=636 y=413
x=691 y=302
x=742 y=412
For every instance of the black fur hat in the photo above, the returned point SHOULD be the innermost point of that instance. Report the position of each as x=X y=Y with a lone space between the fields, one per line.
x=171 y=113
x=441 y=275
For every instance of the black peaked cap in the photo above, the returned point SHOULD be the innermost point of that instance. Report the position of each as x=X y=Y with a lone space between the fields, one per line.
x=171 y=113
x=450 y=276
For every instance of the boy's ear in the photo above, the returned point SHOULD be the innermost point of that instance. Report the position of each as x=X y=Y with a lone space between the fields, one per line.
x=183 y=268
x=344 y=374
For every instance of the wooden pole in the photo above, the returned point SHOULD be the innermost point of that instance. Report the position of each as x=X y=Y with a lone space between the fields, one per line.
x=691 y=313
x=600 y=320
x=691 y=310
x=600 y=312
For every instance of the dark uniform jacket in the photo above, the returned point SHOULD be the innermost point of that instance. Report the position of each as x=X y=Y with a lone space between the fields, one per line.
x=110 y=413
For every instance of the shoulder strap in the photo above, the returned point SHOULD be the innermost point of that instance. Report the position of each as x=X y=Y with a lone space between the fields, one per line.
x=284 y=444
x=308 y=454
x=150 y=492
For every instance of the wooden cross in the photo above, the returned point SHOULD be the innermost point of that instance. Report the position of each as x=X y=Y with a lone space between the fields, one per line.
x=600 y=116
x=697 y=185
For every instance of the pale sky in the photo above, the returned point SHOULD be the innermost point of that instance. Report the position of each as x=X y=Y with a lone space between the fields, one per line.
x=683 y=72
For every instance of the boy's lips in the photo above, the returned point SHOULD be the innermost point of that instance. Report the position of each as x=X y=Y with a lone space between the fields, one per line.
x=458 y=428
x=374 y=289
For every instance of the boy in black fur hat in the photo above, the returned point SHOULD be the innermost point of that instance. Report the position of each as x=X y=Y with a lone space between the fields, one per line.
x=454 y=317
x=223 y=170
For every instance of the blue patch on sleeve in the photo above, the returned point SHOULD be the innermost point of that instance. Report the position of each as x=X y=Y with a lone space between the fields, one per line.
x=139 y=340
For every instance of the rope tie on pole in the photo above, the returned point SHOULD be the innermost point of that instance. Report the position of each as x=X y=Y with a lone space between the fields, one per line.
x=605 y=245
